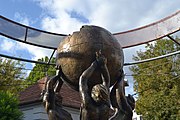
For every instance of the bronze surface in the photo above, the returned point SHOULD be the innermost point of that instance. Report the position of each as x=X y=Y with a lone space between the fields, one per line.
x=77 y=51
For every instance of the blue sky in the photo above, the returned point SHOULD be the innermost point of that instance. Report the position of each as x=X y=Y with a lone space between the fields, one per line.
x=66 y=16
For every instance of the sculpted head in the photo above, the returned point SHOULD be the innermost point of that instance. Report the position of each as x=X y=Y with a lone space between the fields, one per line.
x=100 y=93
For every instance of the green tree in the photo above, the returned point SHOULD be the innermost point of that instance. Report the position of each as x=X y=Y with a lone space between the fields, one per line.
x=11 y=75
x=158 y=82
x=9 y=107
x=40 y=70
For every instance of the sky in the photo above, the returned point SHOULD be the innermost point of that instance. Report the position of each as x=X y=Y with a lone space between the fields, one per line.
x=67 y=16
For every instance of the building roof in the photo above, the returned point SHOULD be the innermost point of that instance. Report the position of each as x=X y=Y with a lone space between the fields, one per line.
x=32 y=94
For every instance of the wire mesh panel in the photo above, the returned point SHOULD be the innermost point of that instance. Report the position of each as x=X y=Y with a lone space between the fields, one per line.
x=29 y=35
x=43 y=39
x=150 y=32
x=12 y=30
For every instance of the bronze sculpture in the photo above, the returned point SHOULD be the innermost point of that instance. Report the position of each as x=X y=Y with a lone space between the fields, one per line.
x=52 y=101
x=77 y=51
x=88 y=71
x=124 y=105
x=95 y=103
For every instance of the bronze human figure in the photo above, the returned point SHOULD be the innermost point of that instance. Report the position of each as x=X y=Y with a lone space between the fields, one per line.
x=52 y=101
x=95 y=103
x=123 y=105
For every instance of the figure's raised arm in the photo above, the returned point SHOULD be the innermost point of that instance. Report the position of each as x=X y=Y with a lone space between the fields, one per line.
x=102 y=63
x=83 y=87
x=121 y=93
x=116 y=90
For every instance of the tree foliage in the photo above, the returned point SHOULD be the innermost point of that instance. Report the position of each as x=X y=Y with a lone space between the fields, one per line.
x=158 y=82
x=11 y=75
x=9 y=107
x=40 y=70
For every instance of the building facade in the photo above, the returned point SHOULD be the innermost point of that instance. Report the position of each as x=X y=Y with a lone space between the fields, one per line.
x=36 y=111
x=33 y=109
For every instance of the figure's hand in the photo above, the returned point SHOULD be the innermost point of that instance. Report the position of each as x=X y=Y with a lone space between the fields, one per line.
x=100 y=58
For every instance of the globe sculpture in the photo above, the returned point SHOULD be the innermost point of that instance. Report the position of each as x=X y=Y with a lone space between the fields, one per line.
x=77 y=51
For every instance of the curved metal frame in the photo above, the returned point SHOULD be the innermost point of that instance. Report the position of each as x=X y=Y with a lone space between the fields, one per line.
x=151 y=32
x=141 y=35
x=8 y=21
x=151 y=59
x=122 y=37
x=125 y=64
x=26 y=60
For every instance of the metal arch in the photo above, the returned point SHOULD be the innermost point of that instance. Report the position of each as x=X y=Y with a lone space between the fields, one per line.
x=125 y=64
x=29 y=35
x=26 y=60
x=51 y=56
x=151 y=32
x=151 y=59
x=173 y=39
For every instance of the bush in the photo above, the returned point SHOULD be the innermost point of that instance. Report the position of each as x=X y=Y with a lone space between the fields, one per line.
x=9 y=107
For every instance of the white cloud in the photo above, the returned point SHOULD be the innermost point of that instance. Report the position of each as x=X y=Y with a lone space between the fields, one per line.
x=159 y=10
x=7 y=45
x=37 y=52
x=116 y=15
x=22 y=18
x=11 y=47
